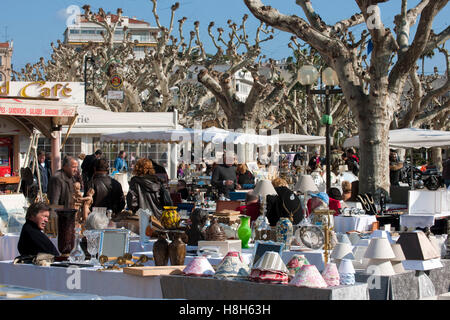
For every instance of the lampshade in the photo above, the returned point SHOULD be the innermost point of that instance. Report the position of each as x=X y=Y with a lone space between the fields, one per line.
x=398 y=267
x=264 y=188
x=354 y=238
x=232 y=266
x=306 y=184
x=346 y=266
x=200 y=267
x=329 y=77
x=297 y=261
x=271 y=261
x=399 y=256
x=382 y=234
x=308 y=276
x=341 y=250
x=331 y=274
x=363 y=242
x=416 y=246
x=380 y=267
x=360 y=262
x=308 y=75
x=343 y=238
x=379 y=248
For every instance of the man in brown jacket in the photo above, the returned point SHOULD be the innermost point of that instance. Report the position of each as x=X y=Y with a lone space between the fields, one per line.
x=60 y=186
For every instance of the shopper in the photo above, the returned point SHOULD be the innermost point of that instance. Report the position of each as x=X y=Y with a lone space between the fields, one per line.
x=60 y=186
x=87 y=167
x=120 y=164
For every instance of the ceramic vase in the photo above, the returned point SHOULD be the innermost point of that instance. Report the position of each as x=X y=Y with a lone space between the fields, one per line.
x=284 y=231
x=177 y=251
x=215 y=232
x=66 y=230
x=161 y=251
x=170 y=219
x=244 y=231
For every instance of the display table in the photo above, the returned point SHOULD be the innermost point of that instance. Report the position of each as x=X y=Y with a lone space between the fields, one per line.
x=197 y=288
x=105 y=283
x=8 y=246
x=405 y=286
x=360 y=223
x=426 y=202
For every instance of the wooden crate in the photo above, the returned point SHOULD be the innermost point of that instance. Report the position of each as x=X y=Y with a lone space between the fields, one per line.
x=154 y=271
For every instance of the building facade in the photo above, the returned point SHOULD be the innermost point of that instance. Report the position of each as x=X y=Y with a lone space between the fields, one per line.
x=140 y=32
x=6 y=51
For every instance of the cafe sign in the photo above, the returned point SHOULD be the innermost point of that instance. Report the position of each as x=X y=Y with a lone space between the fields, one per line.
x=70 y=92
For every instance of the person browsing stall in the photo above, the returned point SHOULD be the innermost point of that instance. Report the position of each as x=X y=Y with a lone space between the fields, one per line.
x=120 y=164
x=32 y=237
x=224 y=176
x=251 y=207
x=60 y=186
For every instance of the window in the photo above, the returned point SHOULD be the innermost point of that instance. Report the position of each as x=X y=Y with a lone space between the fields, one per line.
x=1 y=60
x=71 y=148
x=74 y=31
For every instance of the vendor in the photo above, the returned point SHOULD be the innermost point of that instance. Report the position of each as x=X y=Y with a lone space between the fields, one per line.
x=395 y=167
x=224 y=176
x=251 y=207
x=245 y=179
x=182 y=189
x=285 y=204
x=32 y=237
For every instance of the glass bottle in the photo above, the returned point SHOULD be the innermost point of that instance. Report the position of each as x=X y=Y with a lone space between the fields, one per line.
x=77 y=255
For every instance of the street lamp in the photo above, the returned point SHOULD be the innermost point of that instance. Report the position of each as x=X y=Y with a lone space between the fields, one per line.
x=308 y=76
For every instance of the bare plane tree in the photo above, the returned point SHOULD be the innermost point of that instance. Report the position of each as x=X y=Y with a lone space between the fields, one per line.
x=371 y=88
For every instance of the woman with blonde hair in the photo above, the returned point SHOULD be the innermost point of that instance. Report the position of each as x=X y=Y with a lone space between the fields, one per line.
x=146 y=189
x=285 y=204
x=244 y=178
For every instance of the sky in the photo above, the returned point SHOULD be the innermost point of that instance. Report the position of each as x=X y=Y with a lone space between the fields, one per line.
x=33 y=25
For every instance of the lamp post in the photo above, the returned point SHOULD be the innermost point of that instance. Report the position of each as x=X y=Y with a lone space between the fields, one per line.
x=308 y=76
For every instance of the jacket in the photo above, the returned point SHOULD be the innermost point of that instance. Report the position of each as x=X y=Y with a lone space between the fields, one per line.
x=108 y=192
x=222 y=173
x=60 y=190
x=45 y=174
x=281 y=206
x=146 y=192
x=33 y=241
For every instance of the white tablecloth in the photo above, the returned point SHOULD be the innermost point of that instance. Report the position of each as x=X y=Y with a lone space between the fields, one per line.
x=105 y=283
x=8 y=246
x=361 y=223
x=419 y=221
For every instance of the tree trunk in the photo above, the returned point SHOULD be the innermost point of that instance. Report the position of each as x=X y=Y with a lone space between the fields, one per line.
x=436 y=157
x=374 y=152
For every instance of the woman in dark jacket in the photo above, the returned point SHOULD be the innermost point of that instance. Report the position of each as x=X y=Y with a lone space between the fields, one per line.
x=244 y=176
x=283 y=205
x=146 y=189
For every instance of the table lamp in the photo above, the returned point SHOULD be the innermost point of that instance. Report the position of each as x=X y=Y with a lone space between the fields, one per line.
x=304 y=185
x=262 y=189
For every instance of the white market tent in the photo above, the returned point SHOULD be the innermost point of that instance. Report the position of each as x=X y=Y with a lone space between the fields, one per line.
x=214 y=135
x=410 y=138
x=290 y=138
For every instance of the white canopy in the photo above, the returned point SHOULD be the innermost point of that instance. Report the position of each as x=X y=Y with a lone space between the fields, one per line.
x=214 y=135
x=289 y=138
x=410 y=138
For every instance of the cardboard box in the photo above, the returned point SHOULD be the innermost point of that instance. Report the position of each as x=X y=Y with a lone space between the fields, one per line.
x=223 y=246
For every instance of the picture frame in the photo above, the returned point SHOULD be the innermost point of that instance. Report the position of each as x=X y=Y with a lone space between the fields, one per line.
x=262 y=246
x=114 y=242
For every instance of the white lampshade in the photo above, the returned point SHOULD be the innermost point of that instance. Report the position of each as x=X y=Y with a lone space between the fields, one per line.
x=399 y=255
x=329 y=77
x=306 y=184
x=363 y=243
x=264 y=188
x=341 y=250
x=379 y=248
x=382 y=234
x=380 y=267
x=360 y=262
x=343 y=238
x=346 y=266
x=398 y=267
x=308 y=75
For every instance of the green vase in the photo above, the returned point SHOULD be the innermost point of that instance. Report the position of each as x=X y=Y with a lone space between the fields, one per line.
x=244 y=231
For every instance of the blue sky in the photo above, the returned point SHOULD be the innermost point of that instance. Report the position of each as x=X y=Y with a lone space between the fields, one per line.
x=33 y=25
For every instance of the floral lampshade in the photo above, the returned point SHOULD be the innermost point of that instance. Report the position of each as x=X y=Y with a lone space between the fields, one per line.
x=232 y=266
x=308 y=276
x=295 y=264
x=331 y=274
x=199 y=267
